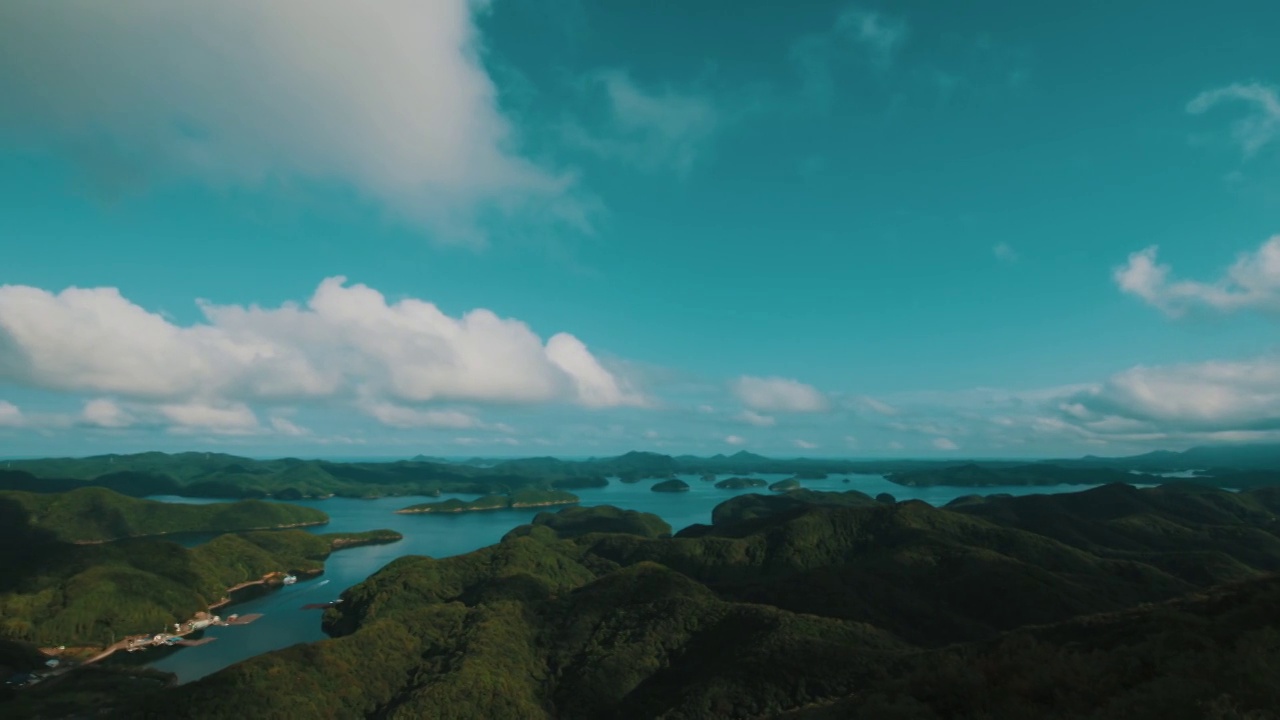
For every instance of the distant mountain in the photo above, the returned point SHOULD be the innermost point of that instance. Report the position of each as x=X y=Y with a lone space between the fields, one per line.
x=427 y=458
x=1204 y=457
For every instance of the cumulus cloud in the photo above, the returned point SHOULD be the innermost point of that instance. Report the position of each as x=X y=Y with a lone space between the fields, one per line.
x=804 y=444
x=755 y=418
x=1191 y=398
x=778 y=394
x=10 y=415
x=406 y=417
x=285 y=426
x=392 y=100
x=1256 y=130
x=347 y=342
x=944 y=444
x=652 y=129
x=106 y=414
x=735 y=439
x=215 y=417
x=1252 y=282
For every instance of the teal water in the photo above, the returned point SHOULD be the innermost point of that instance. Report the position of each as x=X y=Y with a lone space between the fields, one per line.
x=285 y=623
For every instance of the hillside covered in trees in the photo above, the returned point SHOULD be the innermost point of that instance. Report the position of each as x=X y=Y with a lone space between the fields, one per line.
x=810 y=604
x=218 y=475
x=57 y=589
x=93 y=514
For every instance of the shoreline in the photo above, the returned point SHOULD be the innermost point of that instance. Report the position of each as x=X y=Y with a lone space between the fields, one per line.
x=522 y=506
x=290 y=526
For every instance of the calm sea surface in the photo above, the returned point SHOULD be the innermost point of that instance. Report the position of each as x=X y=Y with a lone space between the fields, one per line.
x=285 y=623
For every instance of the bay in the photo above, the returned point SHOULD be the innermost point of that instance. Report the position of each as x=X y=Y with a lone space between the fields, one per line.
x=284 y=622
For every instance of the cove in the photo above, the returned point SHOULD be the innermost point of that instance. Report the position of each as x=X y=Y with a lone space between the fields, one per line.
x=284 y=622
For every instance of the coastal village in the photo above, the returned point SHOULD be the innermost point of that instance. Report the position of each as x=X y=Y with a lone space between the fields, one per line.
x=57 y=665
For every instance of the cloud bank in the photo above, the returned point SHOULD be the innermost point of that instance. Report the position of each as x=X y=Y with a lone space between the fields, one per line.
x=346 y=343
x=390 y=99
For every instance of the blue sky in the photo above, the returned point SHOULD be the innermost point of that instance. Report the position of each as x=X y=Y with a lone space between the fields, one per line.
x=451 y=227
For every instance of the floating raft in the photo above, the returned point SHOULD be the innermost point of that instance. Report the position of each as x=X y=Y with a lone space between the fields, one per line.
x=195 y=643
x=244 y=619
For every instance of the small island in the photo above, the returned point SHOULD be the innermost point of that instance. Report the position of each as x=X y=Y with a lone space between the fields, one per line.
x=514 y=501
x=785 y=485
x=671 y=486
x=340 y=541
x=738 y=483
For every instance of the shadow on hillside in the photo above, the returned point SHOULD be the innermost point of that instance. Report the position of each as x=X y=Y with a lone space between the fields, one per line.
x=21 y=543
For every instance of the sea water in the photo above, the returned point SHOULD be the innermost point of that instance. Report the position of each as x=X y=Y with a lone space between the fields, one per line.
x=284 y=622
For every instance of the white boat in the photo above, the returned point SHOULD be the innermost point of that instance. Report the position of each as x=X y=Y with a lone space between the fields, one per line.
x=289 y=580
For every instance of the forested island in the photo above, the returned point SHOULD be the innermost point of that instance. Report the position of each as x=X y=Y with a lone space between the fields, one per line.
x=516 y=500
x=216 y=475
x=1111 y=602
x=94 y=514
x=739 y=483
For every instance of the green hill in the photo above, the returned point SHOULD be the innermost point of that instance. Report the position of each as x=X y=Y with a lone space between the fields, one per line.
x=59 y=589
x=520 y=499
x=788 y=603
x=96 y=514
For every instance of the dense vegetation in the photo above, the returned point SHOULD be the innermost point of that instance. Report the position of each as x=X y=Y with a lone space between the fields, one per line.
x=56 y=592
x=578 y=521
x=786 y=485
x=519 y=499
x=229 y=476
x=94 y=514
x=738 y=483
x=673 y=485
x=338 y=541
x=810 y=603
x=974 y=475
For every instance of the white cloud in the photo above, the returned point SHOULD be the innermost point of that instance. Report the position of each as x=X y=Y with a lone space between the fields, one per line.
x=876 y=37
x=876 y=406
x=1254 y=131
x=222 y=418
x=651 y=435
x=755 y=418
x=895 y=445
x=105 y=413
x=804 y=444
x=1005 y=253
x=392 y=100
x=651 y=129
x=1201 y=397
x=735 y=439
x=944 y=444
x=10 y=415
x=777 y=394
x=405 y=417
x=1252 y=282
x=347 y=341
x=285 y=426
